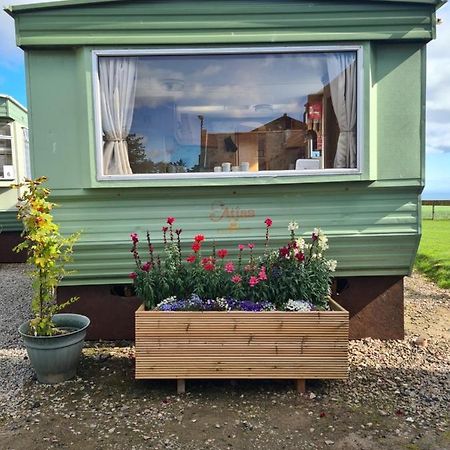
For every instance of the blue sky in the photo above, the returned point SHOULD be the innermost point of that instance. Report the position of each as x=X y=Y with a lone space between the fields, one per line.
x=12 y=82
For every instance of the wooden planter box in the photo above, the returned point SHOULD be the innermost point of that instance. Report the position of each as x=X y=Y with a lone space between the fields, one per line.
x=236 y=344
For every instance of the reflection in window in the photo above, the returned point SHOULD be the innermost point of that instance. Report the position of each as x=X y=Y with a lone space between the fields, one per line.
x=228 y=113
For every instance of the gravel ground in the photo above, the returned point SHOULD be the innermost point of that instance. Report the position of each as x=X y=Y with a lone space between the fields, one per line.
x=397 y=395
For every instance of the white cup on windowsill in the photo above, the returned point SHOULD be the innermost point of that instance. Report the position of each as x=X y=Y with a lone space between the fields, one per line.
x=217 y=169
x=226 y=167
x=244 y=166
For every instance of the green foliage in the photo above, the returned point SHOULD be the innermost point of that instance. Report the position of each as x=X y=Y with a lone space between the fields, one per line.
x=433 y=258
x=298 y=271
x=47 y=250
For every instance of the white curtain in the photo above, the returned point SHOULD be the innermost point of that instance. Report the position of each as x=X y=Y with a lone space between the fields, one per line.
x=342 y=76
x=117 y=96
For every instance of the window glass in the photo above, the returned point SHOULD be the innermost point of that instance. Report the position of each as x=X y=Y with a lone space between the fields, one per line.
x=6 y=170
x=5 y=129
x=228 y=113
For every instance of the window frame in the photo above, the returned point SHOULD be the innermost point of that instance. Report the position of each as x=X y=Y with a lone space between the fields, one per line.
x=237 y=50
x=11 y=140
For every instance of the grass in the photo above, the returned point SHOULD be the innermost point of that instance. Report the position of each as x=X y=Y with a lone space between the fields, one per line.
x=440 y=212
x=433 y=257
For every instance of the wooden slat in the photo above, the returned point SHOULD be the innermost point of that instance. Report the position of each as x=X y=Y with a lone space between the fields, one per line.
x=236 y=344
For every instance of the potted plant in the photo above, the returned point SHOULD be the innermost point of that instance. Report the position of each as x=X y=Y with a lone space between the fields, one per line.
x=209 y=316
x=53 y=341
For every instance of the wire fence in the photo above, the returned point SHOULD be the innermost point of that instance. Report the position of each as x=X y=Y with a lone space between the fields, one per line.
x=436 y=209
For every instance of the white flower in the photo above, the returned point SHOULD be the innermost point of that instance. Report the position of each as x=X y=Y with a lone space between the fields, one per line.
x=293 y=226
x=300 y=244
x=332 y=263
x=298 y=305
x=167 y=301
x=222 y=303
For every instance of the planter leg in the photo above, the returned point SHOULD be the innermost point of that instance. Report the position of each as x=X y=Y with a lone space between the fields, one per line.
x=181 y=386
x=300 y=385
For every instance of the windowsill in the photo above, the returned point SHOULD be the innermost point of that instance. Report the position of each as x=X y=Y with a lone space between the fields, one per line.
x=229 y=179
x=6 y=182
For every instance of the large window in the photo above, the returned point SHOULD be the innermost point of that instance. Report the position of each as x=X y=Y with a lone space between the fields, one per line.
x=6 y=161
x=255 y=112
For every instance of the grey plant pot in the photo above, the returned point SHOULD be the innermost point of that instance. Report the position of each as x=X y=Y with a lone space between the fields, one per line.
x=55 y=358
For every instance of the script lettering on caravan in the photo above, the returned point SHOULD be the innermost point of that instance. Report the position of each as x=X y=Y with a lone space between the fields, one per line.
x=221 y=211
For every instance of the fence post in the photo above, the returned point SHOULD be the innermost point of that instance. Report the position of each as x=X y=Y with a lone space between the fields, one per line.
x=432 y=210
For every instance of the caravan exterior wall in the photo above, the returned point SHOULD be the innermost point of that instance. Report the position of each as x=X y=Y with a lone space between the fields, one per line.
x=371 y=213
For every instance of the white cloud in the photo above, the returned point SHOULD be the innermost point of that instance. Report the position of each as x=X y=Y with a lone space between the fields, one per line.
x=438 y=88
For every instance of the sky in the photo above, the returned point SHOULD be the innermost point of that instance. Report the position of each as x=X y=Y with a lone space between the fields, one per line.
x=12 y=82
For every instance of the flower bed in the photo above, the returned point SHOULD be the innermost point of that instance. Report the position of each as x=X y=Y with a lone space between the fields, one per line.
x=251 y=317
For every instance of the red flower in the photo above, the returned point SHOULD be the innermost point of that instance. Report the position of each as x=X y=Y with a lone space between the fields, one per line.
x=300 y=256
x=251 y=246
x=268 y=222
x=241 y=247
x=134 y=238
x=314 y=237
x=199 y=238
x=170 y=220
x=253 y=281
x=165 y=229
x=284 y=252
x=191 y=258
x=236 y=279
x=132 y=275
x=222 y=253
x=209 y=266
x=147 y=266
x=206 y=260
x=196 y=246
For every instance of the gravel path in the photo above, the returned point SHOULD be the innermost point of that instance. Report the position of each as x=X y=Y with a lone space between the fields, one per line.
x=397 y=395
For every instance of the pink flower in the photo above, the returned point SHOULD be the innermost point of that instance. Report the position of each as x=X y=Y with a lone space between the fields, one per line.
x=165 y=229
x=229 y=267
x=222 y=253
x=170 y=220
x=191 y=258
x=262 y=276
x=132 y=275
x=196 y=246
x=236 y=279
x=268 y=222
x=253 y=281
x=251 y=246
x=199 y=238
x=147 y=266
x=241 y=247
x=314 y=237
x=134 y=238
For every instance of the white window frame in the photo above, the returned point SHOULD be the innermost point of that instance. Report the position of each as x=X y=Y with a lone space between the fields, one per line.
x=10 y=138
x=228 y=51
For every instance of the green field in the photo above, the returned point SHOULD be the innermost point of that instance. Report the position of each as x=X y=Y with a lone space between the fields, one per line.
x=440 y=212
x=433 y=258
